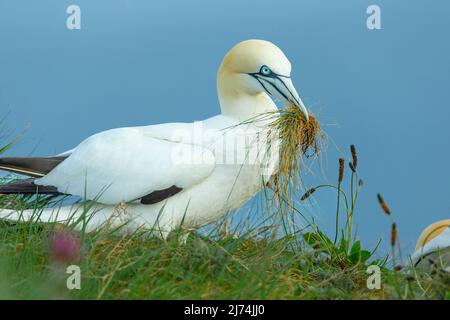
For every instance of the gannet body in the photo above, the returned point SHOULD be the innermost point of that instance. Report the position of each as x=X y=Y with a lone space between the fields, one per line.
x=164 y=176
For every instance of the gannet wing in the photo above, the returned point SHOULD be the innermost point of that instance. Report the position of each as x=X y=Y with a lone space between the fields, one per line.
x=127 y=164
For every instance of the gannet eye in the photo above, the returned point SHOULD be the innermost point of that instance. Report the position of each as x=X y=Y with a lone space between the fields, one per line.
x=265 y=71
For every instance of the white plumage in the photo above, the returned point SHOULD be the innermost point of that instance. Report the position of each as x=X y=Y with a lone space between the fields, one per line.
x=122 y=165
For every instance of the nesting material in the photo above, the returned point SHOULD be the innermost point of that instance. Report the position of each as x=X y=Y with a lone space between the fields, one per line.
x=297 y=136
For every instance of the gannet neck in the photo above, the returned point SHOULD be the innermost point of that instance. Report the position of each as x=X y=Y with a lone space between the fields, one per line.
x=244 y=107
x=237 y=102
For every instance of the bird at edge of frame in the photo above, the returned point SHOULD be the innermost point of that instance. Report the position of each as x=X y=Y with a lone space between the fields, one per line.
x=433 y=248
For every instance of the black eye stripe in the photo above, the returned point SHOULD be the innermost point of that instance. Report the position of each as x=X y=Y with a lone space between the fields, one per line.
x=273 y=85
x=282 y=76
x=288 y=90
x=255 y=75
x=268 y=73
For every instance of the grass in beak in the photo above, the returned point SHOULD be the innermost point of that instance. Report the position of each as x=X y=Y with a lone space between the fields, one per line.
x=296 y=135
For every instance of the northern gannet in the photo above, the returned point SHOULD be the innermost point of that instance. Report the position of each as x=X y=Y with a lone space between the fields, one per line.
x=167 y=175
x=433 y=247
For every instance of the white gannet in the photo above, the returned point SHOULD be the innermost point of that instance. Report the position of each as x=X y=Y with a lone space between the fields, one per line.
x=433 y=247
x=166 y=175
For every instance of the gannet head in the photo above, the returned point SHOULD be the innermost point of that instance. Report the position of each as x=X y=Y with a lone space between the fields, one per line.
x=253 y=68
x=433 y=247
x=433 y=231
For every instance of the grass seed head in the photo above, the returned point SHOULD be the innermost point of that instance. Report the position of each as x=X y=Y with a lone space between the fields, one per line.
x=394 y=234
x=354 y=156
x=383 y=205
x=308 y=193
x=341 y=170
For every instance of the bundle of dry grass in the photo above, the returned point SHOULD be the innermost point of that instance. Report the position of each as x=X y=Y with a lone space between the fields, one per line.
x=297 y=135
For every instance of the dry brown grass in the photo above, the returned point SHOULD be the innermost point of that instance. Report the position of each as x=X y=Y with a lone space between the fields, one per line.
x=297 y=136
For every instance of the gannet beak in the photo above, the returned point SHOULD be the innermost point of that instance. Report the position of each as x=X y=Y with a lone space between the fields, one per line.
x=282 y=88
x=294 y=97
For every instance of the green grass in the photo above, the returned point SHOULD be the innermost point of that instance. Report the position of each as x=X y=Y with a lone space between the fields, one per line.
x=129 y=267
x=243 y=261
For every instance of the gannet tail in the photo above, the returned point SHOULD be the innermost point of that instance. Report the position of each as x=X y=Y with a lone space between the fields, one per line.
x=31 y=166
x=77 y=216
x=27 y=187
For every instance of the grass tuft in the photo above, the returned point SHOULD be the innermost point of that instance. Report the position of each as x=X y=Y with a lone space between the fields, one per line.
x=297 y=135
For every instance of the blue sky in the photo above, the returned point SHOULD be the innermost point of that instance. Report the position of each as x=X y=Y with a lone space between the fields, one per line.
x=144 y=62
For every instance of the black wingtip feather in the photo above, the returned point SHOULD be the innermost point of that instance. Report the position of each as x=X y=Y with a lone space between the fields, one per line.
x=27 y=187
x=32 y=166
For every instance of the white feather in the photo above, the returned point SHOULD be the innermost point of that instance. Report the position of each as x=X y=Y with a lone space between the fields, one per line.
x=125 y=164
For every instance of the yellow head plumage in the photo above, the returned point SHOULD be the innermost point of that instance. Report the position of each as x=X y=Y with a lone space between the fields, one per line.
x=251 y=72
x=432 y=231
